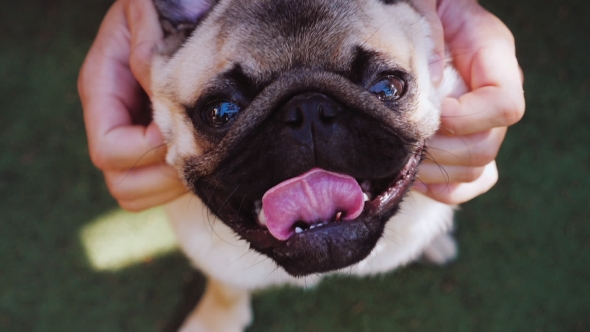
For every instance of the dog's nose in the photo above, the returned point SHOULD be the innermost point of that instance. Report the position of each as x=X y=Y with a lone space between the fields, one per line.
x=310 y=110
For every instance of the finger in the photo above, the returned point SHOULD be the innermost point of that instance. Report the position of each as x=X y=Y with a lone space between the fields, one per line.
x=482 y=109
x=473 y=150
x=484 y=54
x=434 y=173
x=457 y=193
x=145 y=187
x=146 y=32
x=120 y=146
x=130 y=147
x=110 y=95
x=140 y=204
x=436 y=60
x=105 y=72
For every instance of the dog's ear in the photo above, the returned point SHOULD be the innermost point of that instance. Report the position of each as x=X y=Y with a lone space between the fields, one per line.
x=179 y=18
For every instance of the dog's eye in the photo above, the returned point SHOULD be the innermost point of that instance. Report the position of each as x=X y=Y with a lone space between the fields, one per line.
x=220 y=112
x=388 y=88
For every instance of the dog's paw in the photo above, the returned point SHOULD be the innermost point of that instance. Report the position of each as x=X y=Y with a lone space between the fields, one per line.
x=222 y=309
x=442 y=250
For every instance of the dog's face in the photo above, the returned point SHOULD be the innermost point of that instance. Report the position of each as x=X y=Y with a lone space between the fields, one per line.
x=300 y=124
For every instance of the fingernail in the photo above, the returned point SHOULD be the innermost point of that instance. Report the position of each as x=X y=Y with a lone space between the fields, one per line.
x=435 y=65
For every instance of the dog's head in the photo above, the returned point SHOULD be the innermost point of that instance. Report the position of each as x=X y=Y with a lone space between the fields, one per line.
x=300 y=124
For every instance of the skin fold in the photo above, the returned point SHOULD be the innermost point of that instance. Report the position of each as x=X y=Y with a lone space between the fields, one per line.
x=130 y=151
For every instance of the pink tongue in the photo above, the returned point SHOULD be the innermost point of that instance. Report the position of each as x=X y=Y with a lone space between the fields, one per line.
x=313 y=197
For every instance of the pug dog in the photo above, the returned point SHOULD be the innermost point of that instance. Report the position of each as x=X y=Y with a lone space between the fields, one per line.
x=298 y=127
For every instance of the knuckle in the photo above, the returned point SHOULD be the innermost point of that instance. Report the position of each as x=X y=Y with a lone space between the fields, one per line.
x=471 y=174
x=487 y=150
x=493 y=180
x=120 y=193
x=102 y=157
x=115 y=189
x=493 y=176
x=514 y=110
x=508 y=36
x=446 y=194
x=489 y=180
x=484 y=156
x=99 y=158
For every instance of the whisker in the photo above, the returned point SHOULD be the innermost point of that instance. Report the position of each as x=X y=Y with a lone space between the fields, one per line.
x=228 y=198
x=132 y=168
x=441 y=150
x=265 y=258
x=440 y=167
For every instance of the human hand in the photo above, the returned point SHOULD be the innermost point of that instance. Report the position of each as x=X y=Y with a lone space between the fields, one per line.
x=461 y=161
x=113 y=81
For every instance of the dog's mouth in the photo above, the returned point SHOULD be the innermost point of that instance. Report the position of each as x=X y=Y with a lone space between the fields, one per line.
x=322 y=221
x=319 y=199
x=311 y=200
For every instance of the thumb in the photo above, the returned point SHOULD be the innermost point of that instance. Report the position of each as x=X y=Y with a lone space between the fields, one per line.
x=146 y=32
x=436 y=60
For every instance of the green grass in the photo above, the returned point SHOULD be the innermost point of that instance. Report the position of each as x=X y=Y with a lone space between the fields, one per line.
x=524 y=263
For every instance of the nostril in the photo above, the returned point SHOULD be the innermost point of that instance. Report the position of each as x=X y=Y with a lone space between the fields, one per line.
x=293 y=117
x=309 y=109
x=327 y=113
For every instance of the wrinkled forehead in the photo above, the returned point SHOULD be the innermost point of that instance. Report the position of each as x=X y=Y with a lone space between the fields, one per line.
x=276 y=34
x=266 y=37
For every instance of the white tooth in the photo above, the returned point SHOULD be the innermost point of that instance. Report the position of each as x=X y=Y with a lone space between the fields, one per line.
x=298 y=230
x=261 y=218
x=320 y=224
x=312 y=226
x=365 y=197
x=257 y=206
